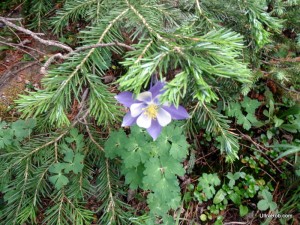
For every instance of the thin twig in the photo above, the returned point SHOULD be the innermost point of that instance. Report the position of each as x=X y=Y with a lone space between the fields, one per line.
x=103 y=45
x=35 y=35
x=231 y=223
x=91 y=137
x=259 y=147
x=22 y=50
x=282 y=60
x=23 y=45
x=49 y=61
x=10 y=73
x=283 y=87
x=2 y=64
x=203 y=157
x=15 y=34
x=83 y=98
x=56 y=151
x=14 y=19
x=82 y=103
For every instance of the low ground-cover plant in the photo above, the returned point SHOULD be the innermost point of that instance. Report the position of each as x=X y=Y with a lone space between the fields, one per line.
x=237 y=188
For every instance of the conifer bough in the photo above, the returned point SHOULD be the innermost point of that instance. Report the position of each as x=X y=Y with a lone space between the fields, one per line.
x=7 y=22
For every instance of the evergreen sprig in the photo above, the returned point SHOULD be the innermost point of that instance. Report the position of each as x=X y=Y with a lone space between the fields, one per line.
x=57 y=168
x=218 y=124
x=37 y=11
x=72 y=78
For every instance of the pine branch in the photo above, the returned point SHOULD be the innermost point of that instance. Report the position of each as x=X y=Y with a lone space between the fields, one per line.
x=31 y=186
x=143 y=52
x=30 y=153
x=216 y=123
x=38 y=184
x=77 y=71
x=201 y=13
x=44 y=68
x=55 y=213
x=23 y=192
x=112 y=204
x=86 y=57
x=37 y=12
x=72 y=10
x=202 y=58
x=146 y=24
x=37 y=149
x=113 y=210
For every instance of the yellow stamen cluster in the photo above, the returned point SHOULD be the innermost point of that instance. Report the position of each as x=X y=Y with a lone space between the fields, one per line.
x=151 y=111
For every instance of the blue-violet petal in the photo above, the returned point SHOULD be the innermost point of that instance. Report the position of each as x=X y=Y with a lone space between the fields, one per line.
x=125 y=98
x=179 y=113
x=128 y=120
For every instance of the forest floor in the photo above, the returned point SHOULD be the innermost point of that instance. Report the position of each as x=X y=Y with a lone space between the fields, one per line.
x=19 y=71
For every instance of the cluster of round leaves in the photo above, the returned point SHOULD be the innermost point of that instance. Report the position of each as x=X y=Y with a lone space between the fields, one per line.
x=240 y=186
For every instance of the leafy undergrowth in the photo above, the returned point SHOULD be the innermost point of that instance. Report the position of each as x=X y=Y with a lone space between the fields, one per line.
x=234 y=66
x=66 y=168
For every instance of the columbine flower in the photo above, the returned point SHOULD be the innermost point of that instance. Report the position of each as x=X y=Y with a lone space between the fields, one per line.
x=146 y=111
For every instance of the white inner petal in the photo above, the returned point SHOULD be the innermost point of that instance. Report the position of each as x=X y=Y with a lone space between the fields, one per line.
x=163 y=117
x=145 y=96
x=136 y=109
x=143 y=121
